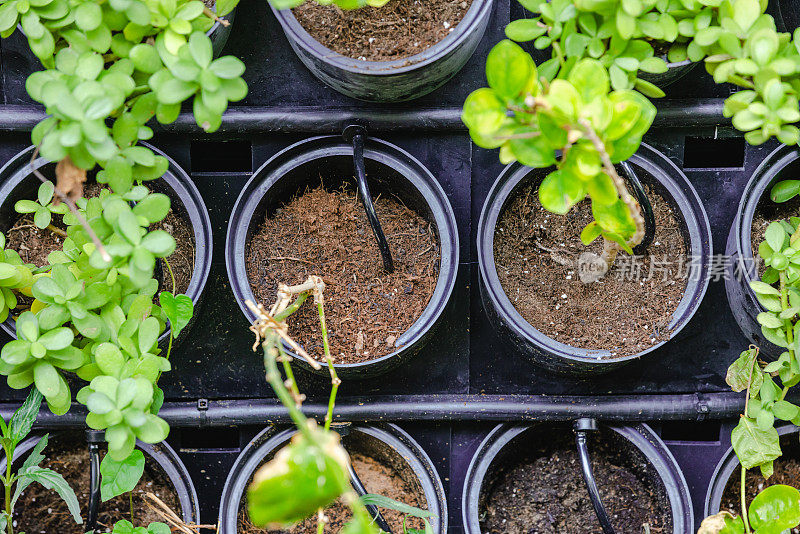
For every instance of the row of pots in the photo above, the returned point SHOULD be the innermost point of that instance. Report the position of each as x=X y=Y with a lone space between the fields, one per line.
x=393 y=170
x=505 y=444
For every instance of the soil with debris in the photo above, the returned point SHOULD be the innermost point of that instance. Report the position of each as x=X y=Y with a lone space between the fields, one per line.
x=397 y=30
x=34 y=244
x=537 y=252
x=767 y=212
x=378 y=478
x=42 y=511
x=787 y=471
x=326 y=233
x=543 y=492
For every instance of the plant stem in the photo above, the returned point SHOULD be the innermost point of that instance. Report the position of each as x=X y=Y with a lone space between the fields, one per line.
x=56 y=230
x=171 y=331
x=271 y=352
x=287 y=369
x=7 y=483
x=744 y=502
x=171 y=275
x=282 y=316
x=335 y=381
x=320 y=522
x=787 y=324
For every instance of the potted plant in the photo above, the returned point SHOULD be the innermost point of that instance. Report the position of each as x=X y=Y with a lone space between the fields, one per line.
x=529 y=478
x=310 y=476
x=304 y=197
x=360 y=55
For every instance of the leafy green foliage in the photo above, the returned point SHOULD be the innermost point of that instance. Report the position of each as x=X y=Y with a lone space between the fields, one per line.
x=126 y=527
x=13 y=432
x=580 y=118
x=773 y=511
x=118 y=477
x=179 y=310
x=43 y=208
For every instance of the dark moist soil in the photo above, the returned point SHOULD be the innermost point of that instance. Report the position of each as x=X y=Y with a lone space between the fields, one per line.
x=397 y=30
x=544 y=492
x=378 y=478
x=34 y=245
x=536 y=253
x=787 y=471
x=767 y=212
x=42 y=511
x=327 y=234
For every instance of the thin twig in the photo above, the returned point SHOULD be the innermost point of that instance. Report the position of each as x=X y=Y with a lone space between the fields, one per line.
x=72 y=207
x=166 y=513
x=210 y=14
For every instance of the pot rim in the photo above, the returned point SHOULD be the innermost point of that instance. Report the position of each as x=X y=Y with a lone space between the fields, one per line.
x=319 y=147
x=163 y=454
x=664 y=171
x=725 y=468
x=272 y=437
x=757 y=186
x=176 y=179
x=640 y=436
x=297 y=34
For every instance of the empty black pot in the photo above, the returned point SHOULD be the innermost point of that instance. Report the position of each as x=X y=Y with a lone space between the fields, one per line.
x=653 y=168
x=729 y=467
x=17 y=182
x=383 y=442
x=390 y=170
x=162 y=454
x=508 y=443
x=390 y=81
x=782 y=164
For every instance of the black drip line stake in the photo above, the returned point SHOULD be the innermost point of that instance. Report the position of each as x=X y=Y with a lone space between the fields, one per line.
x=647 y=208
x=582 y=428
x=94 y=438
x=356 y=135
x=343 y=429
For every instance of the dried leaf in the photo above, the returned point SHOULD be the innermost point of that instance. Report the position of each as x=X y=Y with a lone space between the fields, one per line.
x=69 y=179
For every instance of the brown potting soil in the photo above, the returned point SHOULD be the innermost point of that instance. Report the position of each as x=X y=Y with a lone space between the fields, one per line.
x=397 y=30
x=543 y=492
x=327 y=234
x=42 y=511
x=34 y=244
x=767 y=212
x=537 y=253
x=378 y=478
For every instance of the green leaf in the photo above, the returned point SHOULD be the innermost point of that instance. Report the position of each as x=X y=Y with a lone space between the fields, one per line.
x=385 y=502
x=590 y=232
x=53 y=481
x=21 y=423
x=753 y=445
x=782 y=191
x=145 y=58
x=120 y=477
x=775 y=510
x=227 y=67
x=743 y=371
x=509 y=69
x=200 y=49
x=559 y=192
x=159 y=243
x=301 y=478
x=525 y=30
x=775 y=236
x=178 y=309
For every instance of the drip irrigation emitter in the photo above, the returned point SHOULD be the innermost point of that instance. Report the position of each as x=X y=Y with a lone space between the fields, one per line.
x=582 y=428
x=94 y=438
x=647 y=208
x=356 y=135
x=343 y=429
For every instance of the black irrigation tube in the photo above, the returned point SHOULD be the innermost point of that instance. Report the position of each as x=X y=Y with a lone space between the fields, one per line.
x=248 y=119
x=524 y=408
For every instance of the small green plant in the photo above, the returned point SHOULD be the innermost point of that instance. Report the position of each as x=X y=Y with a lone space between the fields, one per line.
x=776 y=509
x=126 y=527
x=14 y=431
x=312 y=471
x=576 y=125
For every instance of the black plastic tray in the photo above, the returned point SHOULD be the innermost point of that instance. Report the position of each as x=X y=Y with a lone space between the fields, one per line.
x=466 y=372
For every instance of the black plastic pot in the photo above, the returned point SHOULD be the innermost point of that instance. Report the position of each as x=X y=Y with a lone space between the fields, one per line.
x=728 y=467
x=510 y=442
x=390 y=81
x=653 y=168
x=383 y=441
x=219 y=33
x=162 y=454
x=782 y=164
x=17 y=182
x=786 y=13
x=389 y=169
